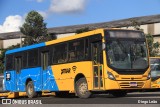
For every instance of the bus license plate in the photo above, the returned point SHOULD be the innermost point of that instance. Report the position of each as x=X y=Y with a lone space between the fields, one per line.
x=133 y=84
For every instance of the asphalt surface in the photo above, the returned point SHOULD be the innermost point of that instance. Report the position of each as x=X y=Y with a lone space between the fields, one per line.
x=131 y=98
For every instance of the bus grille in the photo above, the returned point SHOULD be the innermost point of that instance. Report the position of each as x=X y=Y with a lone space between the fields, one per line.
x=127 y=85
x=131 y=79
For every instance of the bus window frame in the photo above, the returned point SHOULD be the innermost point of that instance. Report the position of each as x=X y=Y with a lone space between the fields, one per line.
x=36 y=65
x=12 y=68
x=86 y=58
x=125 y=71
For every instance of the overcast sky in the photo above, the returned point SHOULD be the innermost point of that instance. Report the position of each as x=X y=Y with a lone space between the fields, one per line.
x=73 y=12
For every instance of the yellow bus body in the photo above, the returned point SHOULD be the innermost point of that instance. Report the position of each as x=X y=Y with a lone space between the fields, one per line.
x=66 y=82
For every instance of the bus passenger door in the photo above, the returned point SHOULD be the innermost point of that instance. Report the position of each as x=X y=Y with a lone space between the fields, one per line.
x=44 y=65
x=18 y=66
x=97 y=65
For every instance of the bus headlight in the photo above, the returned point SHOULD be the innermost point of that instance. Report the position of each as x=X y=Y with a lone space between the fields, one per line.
x=149 y=76
x=111 y=76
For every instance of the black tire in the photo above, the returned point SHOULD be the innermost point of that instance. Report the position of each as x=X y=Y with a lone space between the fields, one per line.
x=81 y=88
x=118 y=93
x=30 y=90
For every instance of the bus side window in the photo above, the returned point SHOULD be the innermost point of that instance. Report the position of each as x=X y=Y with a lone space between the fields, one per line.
x=9 y=62
x=72 y=56
x=45 y=60
x=86 y=49
x=24 y=60
x=60 y=53
x=33 y=58
x=80 y=50
x=18 y=64
x=76 y=50
x=72 y=51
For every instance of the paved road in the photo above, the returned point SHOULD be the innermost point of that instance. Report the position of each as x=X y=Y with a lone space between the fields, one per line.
x=131 y=98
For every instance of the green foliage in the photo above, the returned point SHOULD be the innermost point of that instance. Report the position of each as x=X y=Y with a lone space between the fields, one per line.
x=2 y=60
x=33 y=28
x=136 y=25
x=82 y=30
x=1 y=67
x=153 y=47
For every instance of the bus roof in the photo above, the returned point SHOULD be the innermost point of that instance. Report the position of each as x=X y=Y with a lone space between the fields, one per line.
x=25 y=48
x=76 y=36
x=54 y=41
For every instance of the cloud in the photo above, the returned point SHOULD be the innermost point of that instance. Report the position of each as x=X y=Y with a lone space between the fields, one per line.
x=63 y=6
x=11 y=24
x=67 y=6
x=44 y=14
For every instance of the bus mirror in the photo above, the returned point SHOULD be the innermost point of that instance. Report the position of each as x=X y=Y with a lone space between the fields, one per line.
x=103 y=46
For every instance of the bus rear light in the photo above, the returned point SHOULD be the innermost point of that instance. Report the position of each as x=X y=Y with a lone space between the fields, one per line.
x=111 y=76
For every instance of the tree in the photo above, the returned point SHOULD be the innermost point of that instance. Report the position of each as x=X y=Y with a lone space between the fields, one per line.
x=136 y=25
x=153 y=47
x=34 y=27
x=2 y=60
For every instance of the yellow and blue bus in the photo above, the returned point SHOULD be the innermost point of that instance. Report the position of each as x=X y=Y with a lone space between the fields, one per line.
x=112 y=61
x=155 y=72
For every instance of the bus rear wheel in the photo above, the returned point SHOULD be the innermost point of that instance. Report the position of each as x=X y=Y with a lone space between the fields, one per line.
x=82 y=88
x=30 y=90
x=118 y=93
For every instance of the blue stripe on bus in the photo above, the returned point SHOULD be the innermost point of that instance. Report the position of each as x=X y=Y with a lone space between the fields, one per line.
x=42 y=80
x=26 y=48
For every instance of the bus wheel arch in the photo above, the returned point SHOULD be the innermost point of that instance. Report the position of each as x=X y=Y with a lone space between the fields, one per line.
x=31 y=93
x=78 y=76
x=28 y=79
x=81 y=86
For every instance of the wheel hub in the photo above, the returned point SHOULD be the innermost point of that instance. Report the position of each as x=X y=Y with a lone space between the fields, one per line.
x=83 y=88
x=30 y=89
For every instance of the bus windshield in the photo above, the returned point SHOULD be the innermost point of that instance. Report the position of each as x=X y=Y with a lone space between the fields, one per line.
x=127 y=54
x=155 y=68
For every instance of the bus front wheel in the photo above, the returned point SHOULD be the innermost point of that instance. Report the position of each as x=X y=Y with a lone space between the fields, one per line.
x=82 y=88
x=30 y=90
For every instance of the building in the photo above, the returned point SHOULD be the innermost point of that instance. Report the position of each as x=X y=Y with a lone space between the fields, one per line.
x=149 y=24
